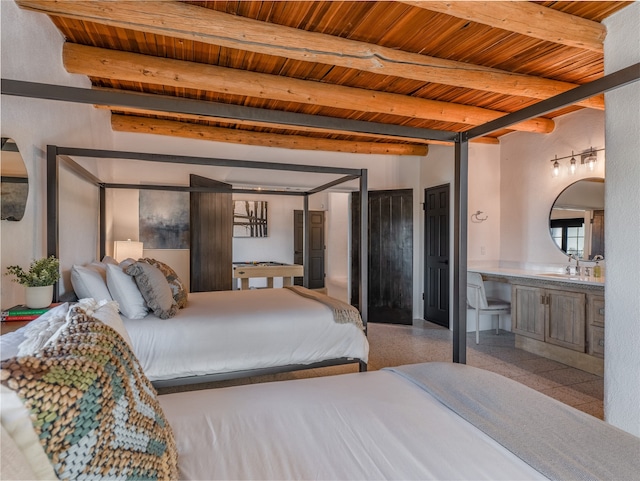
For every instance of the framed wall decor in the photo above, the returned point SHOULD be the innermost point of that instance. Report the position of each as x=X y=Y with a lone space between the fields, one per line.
x=164 y=219
x=249 y=218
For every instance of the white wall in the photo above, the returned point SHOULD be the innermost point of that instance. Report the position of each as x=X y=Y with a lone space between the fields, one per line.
x=484 y=194
x=622 y=225
x=384 y=172
x=31 y=50
x=278 y=245
x=529 y=189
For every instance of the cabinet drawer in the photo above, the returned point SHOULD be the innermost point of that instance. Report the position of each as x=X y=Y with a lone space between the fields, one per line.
x=596 y=341
x=596 y=310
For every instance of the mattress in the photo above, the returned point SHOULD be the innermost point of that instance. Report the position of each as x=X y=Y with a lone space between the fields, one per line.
x=228 y=331
x=374 y=425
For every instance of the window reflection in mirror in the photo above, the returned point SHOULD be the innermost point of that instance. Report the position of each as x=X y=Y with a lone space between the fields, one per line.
x=576 y=221
x=14 y=186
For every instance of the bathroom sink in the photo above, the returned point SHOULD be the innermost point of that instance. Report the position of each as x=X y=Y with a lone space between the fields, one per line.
x=573 y=277
x=558 y=275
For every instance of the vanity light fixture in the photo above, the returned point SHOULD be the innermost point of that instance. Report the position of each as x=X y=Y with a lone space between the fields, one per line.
x=588 y=158
x=572 y=167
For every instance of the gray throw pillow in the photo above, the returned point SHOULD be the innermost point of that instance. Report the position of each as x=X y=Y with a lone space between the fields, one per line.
x=154 y=288
x=176 y=284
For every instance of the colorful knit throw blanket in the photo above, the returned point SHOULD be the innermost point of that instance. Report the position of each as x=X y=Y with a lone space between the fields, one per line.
x=94 y=410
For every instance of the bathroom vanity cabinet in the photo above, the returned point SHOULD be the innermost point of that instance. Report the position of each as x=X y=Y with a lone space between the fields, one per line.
x=551 y=315
x=557 y=318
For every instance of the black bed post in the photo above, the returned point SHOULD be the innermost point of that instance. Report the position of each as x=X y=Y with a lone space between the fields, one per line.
x=52 y=209
x=306 y=242
x=103 y=223
x=364 y=248
x=460 y=249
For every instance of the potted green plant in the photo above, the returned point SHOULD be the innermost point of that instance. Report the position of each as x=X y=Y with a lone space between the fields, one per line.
x=38 y=280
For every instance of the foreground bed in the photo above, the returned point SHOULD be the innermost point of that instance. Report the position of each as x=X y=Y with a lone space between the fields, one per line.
x=424 y=421
x=81 y=407
x=228 y=334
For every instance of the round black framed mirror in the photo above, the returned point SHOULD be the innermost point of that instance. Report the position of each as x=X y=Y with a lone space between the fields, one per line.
x=14 y=186
x=576 y=219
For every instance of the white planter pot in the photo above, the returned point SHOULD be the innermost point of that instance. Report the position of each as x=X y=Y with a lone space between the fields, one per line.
x=38 y=297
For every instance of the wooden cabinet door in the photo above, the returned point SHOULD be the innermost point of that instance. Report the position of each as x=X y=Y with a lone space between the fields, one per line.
x=528 y=311
x=566 y=319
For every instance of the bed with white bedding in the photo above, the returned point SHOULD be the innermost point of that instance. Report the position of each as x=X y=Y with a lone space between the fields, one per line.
x=406 y=423
x=225 y=334
x=79 y=406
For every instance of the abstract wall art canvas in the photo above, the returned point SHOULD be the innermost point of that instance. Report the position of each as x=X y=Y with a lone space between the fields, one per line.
x=249 y=218
x=164 y=219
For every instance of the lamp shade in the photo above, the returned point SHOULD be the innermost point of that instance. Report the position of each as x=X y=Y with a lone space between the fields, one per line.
x=127 y=249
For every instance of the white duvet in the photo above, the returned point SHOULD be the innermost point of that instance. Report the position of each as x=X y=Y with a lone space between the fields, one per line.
x=368 y=426
x=228 y=331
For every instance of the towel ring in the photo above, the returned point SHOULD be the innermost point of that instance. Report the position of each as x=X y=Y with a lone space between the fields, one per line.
x=475 y=218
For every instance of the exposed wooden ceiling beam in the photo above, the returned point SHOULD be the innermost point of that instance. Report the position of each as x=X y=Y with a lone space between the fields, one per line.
x=247 y=123
x=127 y=123
x=525 y=18
x=180 y=20
x=118 y=65
x=253 y=123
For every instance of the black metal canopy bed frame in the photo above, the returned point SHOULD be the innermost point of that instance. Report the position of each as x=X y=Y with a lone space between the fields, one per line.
x=460 y=139
x=57 y=155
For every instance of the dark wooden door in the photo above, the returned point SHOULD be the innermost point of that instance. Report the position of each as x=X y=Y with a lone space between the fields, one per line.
x=390 y=240
x=316 y=269
x=211 y=236
x=436 y=246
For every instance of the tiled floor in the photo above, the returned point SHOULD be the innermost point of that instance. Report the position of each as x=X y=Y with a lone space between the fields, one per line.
x=393 y=345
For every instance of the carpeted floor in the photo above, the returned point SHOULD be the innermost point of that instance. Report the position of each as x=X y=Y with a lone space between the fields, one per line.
x=393 y=345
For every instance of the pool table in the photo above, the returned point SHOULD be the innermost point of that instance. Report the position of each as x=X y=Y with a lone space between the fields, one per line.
x=246 y=270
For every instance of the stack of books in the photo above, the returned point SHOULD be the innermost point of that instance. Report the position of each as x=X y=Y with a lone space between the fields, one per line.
x=24 y=313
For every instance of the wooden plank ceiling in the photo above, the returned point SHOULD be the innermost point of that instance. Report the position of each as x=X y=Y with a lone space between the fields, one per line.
x=437 y=65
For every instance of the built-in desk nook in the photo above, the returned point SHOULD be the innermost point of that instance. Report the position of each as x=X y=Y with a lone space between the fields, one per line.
x=557 y=316
x=246 y=270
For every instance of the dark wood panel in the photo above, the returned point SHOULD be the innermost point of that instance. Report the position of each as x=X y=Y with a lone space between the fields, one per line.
x=390 y=238
x=436 y=282
x=211 y=240
x=316 y=271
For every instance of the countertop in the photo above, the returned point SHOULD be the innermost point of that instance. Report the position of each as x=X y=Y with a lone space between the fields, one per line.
x=552 y=275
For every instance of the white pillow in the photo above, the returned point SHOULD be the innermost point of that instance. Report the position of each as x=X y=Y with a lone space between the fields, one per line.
x=16 y=421
x=109 y=260
x=107 y=312
x=13 y=463
x=124 y=290
x=88 y=282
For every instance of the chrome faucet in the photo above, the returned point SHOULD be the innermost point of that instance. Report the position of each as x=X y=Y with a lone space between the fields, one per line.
x=568 y=269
